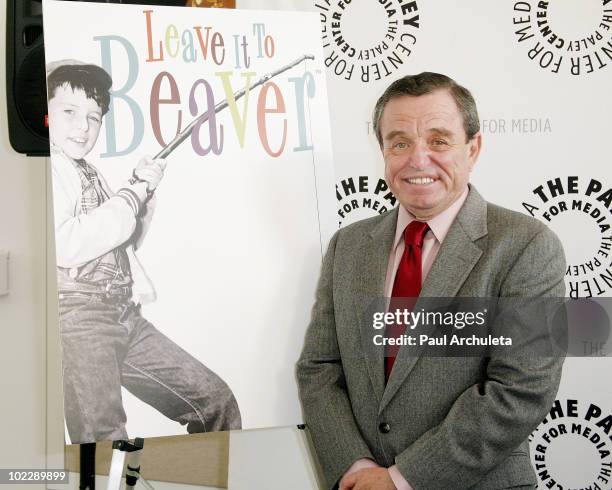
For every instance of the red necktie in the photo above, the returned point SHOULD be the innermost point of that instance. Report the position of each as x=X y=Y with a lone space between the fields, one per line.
x=407 y=284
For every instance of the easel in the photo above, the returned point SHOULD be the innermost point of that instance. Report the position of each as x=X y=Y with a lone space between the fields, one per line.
x=122 y=451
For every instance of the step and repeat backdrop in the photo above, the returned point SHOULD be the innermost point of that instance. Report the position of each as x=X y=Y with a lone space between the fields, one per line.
x=541 y=75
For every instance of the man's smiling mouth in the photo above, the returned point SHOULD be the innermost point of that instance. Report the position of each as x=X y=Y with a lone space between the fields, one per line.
x=420 y=180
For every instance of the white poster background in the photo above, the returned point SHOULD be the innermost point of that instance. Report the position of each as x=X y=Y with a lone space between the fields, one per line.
x=235 y=246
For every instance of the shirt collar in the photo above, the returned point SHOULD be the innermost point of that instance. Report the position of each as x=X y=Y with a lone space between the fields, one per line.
x=57 y=150
x=439 y=224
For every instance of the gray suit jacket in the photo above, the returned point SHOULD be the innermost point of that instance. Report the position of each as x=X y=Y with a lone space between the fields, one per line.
x=451 y=422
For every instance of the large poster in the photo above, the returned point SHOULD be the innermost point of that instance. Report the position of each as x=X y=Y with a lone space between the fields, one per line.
x=193 y=199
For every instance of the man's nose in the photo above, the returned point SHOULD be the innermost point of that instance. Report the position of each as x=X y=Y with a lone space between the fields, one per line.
x=419 y=157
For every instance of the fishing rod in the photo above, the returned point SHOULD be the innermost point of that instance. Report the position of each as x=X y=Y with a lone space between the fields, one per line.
x=179 y=138
x=183 y=135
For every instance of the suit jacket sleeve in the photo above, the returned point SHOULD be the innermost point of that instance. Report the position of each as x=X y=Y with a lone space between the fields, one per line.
x=322 y=385
x=492 y=418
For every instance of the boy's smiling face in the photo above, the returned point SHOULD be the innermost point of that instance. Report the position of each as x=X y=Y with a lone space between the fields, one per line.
x=74 y=121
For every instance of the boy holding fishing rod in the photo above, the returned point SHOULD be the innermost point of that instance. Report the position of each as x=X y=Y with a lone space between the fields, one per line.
x=106 y=342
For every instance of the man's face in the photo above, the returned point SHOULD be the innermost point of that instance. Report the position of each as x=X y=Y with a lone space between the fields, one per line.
x=74 y=121
x=427 y=159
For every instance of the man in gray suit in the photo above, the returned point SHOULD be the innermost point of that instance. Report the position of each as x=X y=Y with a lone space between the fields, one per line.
x=427 y=422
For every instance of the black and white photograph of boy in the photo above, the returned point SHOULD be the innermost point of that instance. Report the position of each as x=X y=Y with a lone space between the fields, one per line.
x=106 y=342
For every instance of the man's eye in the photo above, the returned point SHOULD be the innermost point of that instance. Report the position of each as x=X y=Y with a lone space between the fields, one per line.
x=400 y=146
x=95 y=119
x=439 y=142
x=70 y=112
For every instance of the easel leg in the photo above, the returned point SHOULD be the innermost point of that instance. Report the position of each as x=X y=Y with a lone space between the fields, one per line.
x=87 y=462
x=116 y=469
x=121 y=450
x=132 y=472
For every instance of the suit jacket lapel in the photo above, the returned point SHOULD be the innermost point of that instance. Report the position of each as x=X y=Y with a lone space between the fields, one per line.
x=371 y=273
x=456 y=258
x=459 y=253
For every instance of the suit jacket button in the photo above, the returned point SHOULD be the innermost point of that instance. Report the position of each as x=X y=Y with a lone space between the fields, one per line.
x=384 y=428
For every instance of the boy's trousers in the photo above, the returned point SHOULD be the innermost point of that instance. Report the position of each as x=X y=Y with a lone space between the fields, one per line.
x=106 y=344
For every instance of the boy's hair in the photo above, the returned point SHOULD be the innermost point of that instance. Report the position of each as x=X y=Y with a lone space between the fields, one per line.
x=92 y=79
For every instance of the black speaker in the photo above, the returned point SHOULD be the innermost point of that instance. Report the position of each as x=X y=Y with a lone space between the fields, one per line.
x=25 y=73
x=25 y=78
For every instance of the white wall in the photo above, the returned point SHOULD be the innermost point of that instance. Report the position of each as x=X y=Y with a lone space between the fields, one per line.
x=22 y=312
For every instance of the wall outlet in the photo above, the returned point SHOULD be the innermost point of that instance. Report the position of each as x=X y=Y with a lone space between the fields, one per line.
x=4 y=272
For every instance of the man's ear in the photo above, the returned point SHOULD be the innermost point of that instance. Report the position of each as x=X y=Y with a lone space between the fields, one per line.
x=474 y=146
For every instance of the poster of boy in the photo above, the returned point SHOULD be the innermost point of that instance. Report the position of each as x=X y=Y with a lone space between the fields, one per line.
x=192 y=196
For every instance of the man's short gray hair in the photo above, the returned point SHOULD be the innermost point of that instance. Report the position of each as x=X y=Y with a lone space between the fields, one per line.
x=426 y=83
